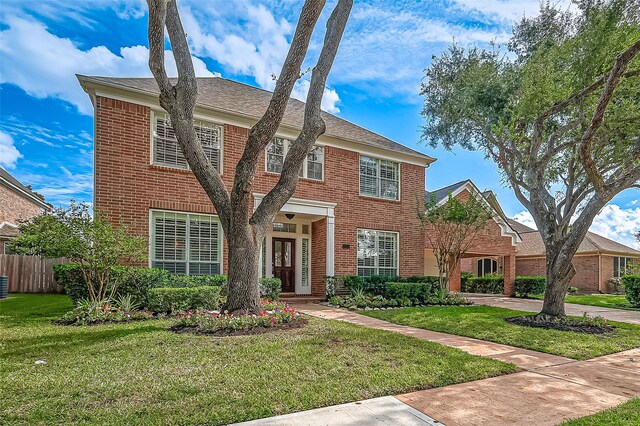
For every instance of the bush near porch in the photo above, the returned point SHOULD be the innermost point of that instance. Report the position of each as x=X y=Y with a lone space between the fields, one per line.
x=493 y=284
x=139 y=283
x=140 y=373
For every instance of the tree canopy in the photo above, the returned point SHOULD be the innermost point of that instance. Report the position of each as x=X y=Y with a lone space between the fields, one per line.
x=557 y=109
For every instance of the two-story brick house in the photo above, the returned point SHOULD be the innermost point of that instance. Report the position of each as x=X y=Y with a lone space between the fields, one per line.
x=353 y=211
x=17 y=203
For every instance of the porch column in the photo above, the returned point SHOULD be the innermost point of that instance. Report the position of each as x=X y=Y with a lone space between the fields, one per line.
x=454 y=279
x=509 y=275
x=331 y=229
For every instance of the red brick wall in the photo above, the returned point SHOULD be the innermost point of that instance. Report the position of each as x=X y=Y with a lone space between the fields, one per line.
x=127 y=187
x=587 y=271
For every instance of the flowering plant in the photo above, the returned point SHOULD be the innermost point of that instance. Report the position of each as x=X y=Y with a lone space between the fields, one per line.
x=103 y=311
x=272 y=314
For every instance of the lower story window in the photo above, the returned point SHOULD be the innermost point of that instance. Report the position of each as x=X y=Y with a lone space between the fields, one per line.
x=623 y=266
x=377 y=253
x=487 y=266
x=186 y=244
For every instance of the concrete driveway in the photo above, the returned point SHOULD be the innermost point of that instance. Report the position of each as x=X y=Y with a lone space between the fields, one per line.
x=532 y=305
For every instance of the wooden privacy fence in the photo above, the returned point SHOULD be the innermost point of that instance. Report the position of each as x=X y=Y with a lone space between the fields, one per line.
x=30 y=274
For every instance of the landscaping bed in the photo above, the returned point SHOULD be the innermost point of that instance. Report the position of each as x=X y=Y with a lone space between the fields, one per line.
x=566 y=324
x=488 y=323
x=140 y=373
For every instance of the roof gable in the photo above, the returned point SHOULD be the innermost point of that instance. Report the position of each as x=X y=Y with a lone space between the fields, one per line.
x=14 y=184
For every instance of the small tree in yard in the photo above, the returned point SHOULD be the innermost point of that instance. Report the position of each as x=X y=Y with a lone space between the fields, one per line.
x=244 y=229
x=89 y=241
x=559 y=115
x=452 y=228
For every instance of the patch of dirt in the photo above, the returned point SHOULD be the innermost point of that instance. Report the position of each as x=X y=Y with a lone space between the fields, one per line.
x=564 y=324
x=193 y=329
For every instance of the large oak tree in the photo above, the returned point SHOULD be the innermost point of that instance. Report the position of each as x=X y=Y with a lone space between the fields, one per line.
x=245 y=228
x=558 y=111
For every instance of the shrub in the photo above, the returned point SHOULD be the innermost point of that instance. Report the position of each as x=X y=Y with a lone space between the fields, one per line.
x=102 y=312
x=170 y=299
x=212 y=322
x=527 y=285
x=352 y=282
x=270 y=288
x=374 y=284
x=179 y=281
x=631 y=284
x=573 y=290
x=130 y=280
x=485 y=284
x=428 y=279
x=464 y=277
x=416 y=293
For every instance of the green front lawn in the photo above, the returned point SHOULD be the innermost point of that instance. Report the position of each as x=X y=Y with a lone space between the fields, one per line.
x=140 y=373
x=627 y=414
x=487 y=323
x=603 y=300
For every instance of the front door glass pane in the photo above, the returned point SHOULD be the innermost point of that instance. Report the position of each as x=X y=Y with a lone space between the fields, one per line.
x=287 y=254
x=277 y=254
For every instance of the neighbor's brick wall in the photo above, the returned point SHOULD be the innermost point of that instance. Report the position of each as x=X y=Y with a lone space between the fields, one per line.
x=127 y=187
x=15 y=207
x=587 y=274
x=606 y=273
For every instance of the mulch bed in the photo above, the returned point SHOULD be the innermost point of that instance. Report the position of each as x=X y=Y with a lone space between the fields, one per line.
x=565 y=324
x=193 y=329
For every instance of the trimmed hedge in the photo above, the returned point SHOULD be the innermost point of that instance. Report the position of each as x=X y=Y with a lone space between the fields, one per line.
x=270 y=288
x=181 y=281
x=176 y=299
x=428 y=279
x=631 y=284
x=487 y=284
x=527 y=285
x=415 y=293
x=131 y=280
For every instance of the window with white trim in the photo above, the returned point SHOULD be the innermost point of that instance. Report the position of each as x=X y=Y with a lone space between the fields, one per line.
x=167 y=152
x=623 y=266
x=186 y=244
x=379 y=178
x=312 y=168
x=377 y=253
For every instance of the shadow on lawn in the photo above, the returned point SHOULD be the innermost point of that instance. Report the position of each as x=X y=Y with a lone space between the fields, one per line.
x=79 y=339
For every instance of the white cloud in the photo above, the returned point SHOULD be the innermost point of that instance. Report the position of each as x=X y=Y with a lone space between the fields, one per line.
x=44 y=65
x=613 y=222
x=9 y=154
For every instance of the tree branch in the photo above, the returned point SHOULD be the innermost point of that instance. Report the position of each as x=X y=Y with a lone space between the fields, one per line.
x=313 y=125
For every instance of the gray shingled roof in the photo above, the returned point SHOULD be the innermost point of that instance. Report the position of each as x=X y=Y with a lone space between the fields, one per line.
x=234 y=97
x=532 y=244
x=12 y=181
x=444 y=192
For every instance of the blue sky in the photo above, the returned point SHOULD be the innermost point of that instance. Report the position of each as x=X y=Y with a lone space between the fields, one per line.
x=46 y=124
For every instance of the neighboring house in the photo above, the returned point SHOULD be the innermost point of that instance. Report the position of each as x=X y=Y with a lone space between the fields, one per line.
x=353 y=211
x=17 y=203
x=493 y=250
x=597 y=261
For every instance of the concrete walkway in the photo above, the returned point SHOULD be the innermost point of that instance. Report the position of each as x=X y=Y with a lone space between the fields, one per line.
x=551 y=390
x=523 y=358
x=532 y=305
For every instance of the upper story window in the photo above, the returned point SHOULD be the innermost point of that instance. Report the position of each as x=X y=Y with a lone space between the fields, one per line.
x=277 y=150
x=379 y=178
x=167 y=152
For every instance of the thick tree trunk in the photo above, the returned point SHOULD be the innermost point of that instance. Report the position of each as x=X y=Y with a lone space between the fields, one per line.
x=560 y=271
x=243 y=273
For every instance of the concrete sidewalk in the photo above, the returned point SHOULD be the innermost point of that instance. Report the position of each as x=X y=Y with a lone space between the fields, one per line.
x=523 y=358
x=532 y=305
x=554 y=389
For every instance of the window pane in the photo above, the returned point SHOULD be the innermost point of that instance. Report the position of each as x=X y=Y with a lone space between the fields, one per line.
x=305 y=262
x=186 y=244
x=167 y=151
x=389 y=179
x=277 y=253
x=369 y=183
x=377 y=253
x=287 y=254
x=275 y=155
x=314 y=163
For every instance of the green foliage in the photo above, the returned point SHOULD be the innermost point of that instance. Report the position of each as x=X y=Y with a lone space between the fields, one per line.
x=90 y=241
x=631 y=284
x=103 y=312
x=429 y=279
x=169 y=300
x=486 y=284
x=132 y=281
x=416 y=293
x=526 y=285
x=179 y=281
x=270 y=288
x=375 y=283
x=352 y=282
x=464 y=276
